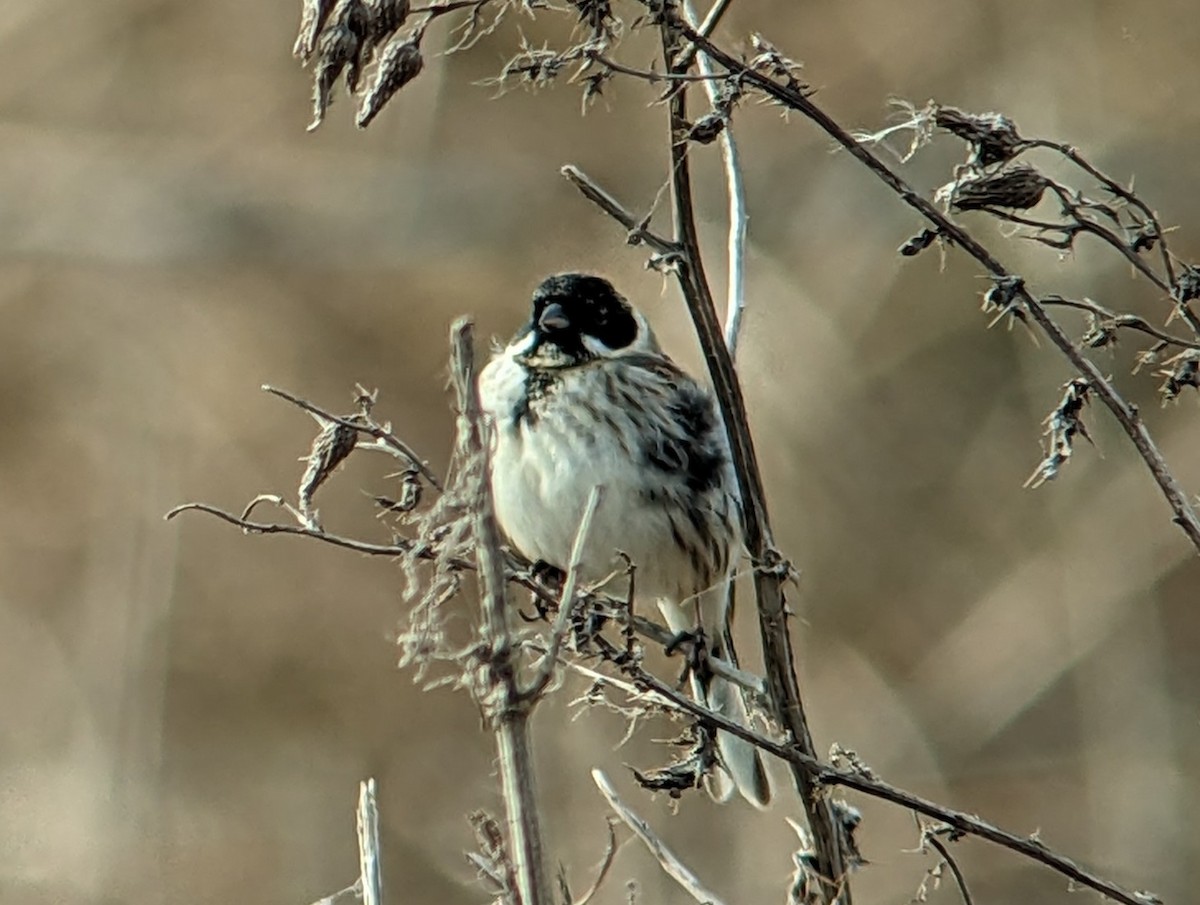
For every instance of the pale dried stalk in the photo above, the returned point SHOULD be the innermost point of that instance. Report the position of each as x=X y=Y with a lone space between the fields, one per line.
x=675 y=869
x=507 y=708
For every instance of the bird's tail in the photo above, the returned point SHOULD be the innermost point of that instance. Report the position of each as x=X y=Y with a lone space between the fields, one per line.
x=741 y=766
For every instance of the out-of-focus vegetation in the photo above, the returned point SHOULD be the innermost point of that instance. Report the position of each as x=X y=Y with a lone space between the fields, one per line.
x=187 y=712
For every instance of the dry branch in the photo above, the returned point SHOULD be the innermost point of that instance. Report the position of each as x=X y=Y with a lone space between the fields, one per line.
x=504 y=703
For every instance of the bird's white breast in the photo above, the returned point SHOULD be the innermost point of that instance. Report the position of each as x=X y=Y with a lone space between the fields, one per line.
x=545 y=464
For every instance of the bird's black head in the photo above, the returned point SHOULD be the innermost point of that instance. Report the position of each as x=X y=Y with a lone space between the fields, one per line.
x=582 y=317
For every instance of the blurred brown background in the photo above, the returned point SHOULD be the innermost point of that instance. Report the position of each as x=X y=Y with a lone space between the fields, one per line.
x=185 y=712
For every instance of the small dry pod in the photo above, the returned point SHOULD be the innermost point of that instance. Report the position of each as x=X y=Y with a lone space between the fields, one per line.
x=386 y=18
x=399 y=64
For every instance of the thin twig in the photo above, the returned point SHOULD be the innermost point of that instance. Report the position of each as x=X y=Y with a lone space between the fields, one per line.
x=645 y=75
x=567 y=600
x=369 y=858
x=1126 y=414
x=825 y=775
x=638 y=230
x=770 y=571
x=606 y=863
x=1126 y=195
x=382 y=434
x=1112 y=320
x=674 y=868
x=735 y=299
x=647 y=628
x=349 y=543
x=715 y=13
x=961 y=880
x=507 y=709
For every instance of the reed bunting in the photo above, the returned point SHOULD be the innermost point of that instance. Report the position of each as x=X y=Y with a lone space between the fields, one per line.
x=583 y=396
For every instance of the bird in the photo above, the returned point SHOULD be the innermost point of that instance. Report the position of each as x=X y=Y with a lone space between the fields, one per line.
x=583 y=396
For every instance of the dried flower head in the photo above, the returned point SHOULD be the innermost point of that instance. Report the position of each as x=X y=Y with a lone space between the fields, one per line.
x=705 y=130
x=918 y=243
x=1063 y=425
x=1018 y=188
x=992 y=136
x=1183 y=371
x=399 y=64
x=1004 y=298
x=386 y=17
x=339 y=45
x=313 y=14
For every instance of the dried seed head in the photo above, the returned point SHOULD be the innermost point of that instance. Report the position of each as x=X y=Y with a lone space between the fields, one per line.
x=1143 y=237
x=1184 y=371
x=313 y=14
x=1187 y=284
x=1101 y=332
x=1004 y=298
x=399 y=64
x=386 y=17
x=1063 y=425
x=595 y=14
x=330 y=448
x=919 y=242
x=339 y=45
x=769 y=61
x=705 y=130
x=1018 y=188
x=992 y=136
x=847 y=820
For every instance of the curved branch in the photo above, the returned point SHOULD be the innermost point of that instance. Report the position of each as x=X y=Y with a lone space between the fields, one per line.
x=862 y=781
x=1125 y=413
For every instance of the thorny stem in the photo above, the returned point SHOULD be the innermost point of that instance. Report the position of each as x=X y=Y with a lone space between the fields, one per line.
x=1082 y=224
x=1126 y=414
x=507 y=708
x=769 y=573
x=821 y=773
x=1114 y=320
x=1125 y=195
x=861 y=781
x=777 y=650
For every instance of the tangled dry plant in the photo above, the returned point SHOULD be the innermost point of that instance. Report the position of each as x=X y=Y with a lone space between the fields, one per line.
x=375 y=47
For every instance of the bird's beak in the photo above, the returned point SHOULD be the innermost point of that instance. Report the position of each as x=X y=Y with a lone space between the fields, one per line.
x=553 y=318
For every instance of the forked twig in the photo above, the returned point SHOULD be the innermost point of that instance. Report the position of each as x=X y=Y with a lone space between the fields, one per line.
x=959 y=878
x=674 y=868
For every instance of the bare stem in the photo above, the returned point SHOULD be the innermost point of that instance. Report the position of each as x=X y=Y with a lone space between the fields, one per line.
x=735 y=304
x=368 y=845
x=505 y=706
x=674 y=868
x=940 y=847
